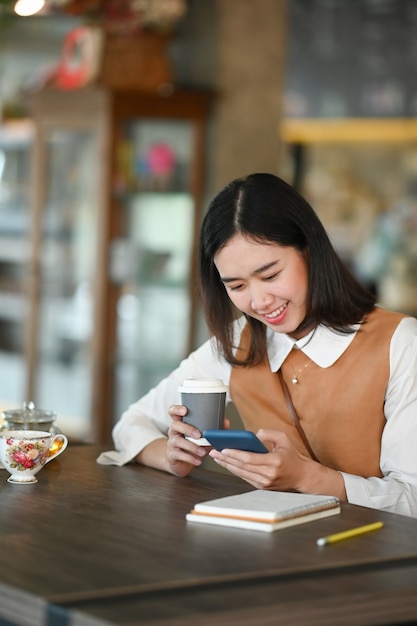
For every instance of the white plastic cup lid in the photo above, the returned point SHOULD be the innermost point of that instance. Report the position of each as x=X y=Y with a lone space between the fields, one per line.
x=203 y=385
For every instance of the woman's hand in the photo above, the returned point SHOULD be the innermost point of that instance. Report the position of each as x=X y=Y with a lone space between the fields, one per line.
x=281 y=469
x=183 y=455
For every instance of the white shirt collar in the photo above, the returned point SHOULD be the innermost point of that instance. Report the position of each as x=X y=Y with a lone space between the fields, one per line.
x=324 y=346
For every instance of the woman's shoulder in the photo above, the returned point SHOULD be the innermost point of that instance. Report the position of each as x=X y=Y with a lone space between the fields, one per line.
x=407 y=326
x=403 y=330
x=403 y=345
x=392 y=319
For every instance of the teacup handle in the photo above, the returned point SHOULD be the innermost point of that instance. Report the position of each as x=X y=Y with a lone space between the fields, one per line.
x=58 y=445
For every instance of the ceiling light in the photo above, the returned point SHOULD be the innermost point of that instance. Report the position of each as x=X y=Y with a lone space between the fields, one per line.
x=24 y=8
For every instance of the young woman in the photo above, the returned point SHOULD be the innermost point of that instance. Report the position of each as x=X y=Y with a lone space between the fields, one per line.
x=326 y=379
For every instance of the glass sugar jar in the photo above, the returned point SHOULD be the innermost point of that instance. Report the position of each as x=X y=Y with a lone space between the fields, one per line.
x=29 y=418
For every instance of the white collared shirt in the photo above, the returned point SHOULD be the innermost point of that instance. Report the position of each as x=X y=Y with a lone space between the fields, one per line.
x=148 y=419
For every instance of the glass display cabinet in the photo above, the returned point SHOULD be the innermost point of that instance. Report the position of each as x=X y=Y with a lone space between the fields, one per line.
x=152 y=257
x=16 y=140
x=116 y=205
x=65 y=248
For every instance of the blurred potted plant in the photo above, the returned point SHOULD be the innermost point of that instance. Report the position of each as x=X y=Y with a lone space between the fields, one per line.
x=134 y=36
x=126 y=17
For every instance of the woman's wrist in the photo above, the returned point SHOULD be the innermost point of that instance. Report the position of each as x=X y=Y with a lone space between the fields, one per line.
x=323 y=480
x=155 y=455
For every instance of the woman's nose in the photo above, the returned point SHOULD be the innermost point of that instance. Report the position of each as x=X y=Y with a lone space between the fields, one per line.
x=260 y=299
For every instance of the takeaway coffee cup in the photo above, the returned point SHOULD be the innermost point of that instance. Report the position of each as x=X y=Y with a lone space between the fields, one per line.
x=23 y=453
x=205 y=401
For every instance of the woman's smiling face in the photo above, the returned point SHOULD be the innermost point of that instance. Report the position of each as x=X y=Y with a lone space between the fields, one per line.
x=266 y=281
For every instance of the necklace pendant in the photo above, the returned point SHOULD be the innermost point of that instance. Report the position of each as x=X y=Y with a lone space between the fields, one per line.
x=294 y=380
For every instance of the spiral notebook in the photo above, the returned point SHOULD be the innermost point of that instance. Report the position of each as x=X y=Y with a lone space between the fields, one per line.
x=266 y=511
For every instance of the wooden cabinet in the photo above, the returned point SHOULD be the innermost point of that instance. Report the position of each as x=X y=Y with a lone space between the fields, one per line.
x=115 y=212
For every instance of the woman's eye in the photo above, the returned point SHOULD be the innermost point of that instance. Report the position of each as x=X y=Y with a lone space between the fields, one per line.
x=271 y=277
x=236 y=287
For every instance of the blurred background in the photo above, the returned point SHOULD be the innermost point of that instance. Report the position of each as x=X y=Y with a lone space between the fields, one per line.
x=121 y=119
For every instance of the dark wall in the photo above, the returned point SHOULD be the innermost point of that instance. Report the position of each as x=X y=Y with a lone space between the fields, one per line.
x=350 y=58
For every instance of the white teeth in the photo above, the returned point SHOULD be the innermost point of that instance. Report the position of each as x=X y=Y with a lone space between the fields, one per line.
x=276 y=312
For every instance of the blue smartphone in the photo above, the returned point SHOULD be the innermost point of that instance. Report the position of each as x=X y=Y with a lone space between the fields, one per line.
x=237 y=439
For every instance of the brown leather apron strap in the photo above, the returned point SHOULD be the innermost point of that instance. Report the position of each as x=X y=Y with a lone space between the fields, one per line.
x=294 y=416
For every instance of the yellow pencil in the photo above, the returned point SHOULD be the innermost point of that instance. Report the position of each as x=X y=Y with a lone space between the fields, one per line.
x=347 y=534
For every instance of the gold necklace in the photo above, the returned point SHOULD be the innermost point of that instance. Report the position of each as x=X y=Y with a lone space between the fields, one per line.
x=294 y=379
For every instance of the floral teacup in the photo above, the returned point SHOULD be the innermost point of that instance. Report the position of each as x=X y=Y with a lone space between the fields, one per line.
x=24 y=452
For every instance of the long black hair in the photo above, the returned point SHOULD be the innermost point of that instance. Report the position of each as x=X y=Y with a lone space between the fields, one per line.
x=265 y=208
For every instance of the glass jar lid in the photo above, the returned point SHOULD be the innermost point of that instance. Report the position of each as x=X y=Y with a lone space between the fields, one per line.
x=29 y=414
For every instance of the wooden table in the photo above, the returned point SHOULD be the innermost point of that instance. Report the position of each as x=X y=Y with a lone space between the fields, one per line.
x=91 y=544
